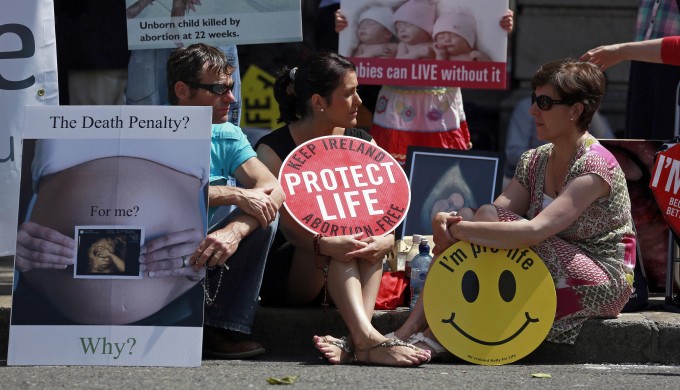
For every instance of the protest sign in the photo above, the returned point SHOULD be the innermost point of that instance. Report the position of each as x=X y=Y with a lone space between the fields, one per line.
x=169 y=23
x=338 y=185
x=28 y=75
x=665 y=183
x=445 y=43
x=489 y=306
x=103 y=186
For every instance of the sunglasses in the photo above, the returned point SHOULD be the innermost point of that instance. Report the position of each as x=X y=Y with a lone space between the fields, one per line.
x=546 y=102
x=219 y=89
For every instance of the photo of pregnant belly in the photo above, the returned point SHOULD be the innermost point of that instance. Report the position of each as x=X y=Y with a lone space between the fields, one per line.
x=115 y=192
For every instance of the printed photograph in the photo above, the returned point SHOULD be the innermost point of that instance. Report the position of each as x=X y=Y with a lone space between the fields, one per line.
x=444 y=180
x=108 y=252
x=421 y=42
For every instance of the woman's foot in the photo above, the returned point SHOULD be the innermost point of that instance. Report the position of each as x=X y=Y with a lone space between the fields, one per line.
x=427 y=341
x=392 y=352
x=334 y=350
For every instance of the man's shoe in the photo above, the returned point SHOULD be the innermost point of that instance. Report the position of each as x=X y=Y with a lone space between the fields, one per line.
x=219 y=346
x=228 y=349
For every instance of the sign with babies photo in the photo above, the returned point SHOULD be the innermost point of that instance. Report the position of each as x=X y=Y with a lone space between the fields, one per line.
x=426 y=42
x=338 y=185
x=113 y=200
x=155 y=24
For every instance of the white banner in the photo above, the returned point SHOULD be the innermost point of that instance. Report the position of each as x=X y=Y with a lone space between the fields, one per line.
x=28 y=76
x=106 y=346
x=159 y=24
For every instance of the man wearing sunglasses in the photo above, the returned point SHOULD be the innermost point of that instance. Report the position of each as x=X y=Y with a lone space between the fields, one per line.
x=242 y=220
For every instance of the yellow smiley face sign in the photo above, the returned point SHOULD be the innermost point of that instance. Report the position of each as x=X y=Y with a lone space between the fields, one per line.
x=489 y=306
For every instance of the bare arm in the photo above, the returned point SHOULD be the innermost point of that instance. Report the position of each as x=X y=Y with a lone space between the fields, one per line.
x=261 y=198
x=514 y=198
x=259 y=206
x=562 y=212
x=610 y=55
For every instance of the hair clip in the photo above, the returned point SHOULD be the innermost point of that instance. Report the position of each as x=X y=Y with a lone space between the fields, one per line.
x=292 y=73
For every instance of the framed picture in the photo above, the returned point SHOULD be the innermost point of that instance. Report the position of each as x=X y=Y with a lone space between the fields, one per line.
x=448 y=180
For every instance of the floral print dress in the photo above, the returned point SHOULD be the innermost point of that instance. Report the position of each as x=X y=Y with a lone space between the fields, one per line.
x=592 y=279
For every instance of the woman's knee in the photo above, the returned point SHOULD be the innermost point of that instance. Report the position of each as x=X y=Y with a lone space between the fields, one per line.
x=467 y=214
x=487 y=213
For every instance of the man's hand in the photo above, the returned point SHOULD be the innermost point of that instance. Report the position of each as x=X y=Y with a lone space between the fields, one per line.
x=217 y=247
x=258 y=203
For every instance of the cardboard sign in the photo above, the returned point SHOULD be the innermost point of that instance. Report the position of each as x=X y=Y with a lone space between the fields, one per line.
x=449 y=42
x=28 y=76
x=104 y=186
x=665 y=184
x=159 y=24
x=260 y=109
x=339 y=185
x=489 y=306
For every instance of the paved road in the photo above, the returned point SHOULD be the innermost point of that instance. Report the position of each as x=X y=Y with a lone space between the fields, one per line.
x=312 y=374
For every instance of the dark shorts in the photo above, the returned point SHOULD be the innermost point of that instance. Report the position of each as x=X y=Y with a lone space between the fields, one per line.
x=279 y=262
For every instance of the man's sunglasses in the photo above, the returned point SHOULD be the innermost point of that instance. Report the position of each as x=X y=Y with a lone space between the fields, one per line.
x=220 y=89
x=546 y=102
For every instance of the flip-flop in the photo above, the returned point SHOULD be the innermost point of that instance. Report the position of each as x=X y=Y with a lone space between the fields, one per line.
x=342 y=343
x=393 y=336
x=385 y=344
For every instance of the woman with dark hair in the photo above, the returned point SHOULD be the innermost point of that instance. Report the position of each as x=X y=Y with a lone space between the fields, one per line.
x=568 y=201
x=319 y=98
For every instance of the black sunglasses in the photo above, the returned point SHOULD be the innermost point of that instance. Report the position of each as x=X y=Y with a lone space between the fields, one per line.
x=220 y=89
x=546 y=102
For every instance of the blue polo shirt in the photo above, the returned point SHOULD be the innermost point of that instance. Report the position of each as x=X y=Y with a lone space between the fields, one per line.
x=229 y=149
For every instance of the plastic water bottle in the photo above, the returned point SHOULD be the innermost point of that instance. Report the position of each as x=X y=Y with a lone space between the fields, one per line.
x=419 y=267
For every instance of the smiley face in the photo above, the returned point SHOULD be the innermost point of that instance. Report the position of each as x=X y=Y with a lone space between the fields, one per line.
x=489 y=306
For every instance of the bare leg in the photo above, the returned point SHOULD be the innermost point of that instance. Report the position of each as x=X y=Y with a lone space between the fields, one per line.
x=486 y=213
x=305 y=281
x=416 y=322
x=370 y=284
x=344 y=285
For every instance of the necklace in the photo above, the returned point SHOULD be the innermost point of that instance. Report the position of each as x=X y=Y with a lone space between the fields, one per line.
x=206 y=286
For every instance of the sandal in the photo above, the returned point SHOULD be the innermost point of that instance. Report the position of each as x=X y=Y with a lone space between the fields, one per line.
x=345 y=346
x=436 y=349
x=385 y=344
x=393 y=336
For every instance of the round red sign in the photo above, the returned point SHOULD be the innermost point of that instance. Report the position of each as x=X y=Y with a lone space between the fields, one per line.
x=665 y=183
x=338 y=185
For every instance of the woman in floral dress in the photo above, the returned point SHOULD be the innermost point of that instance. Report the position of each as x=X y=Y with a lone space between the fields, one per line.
x=568 y=201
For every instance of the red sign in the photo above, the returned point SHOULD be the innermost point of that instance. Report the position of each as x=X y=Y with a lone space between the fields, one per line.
x=665 y=184
x=426 y=73
x=339 y=185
